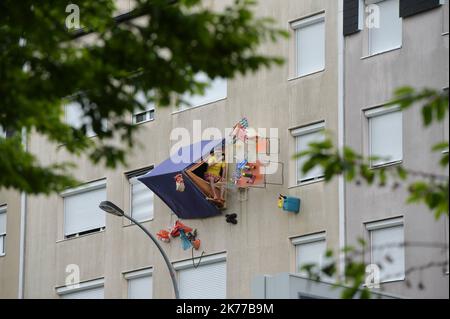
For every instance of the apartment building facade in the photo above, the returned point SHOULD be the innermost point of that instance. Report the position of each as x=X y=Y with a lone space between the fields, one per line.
x=329 y=79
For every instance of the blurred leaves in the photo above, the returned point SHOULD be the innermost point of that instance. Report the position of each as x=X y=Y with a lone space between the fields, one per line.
x=434 y=103
x=44 y=66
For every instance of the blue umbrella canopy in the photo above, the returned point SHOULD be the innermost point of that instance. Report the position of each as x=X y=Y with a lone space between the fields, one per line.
x=191 y=203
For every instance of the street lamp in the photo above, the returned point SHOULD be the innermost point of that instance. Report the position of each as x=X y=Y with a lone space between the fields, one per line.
x=112 y=209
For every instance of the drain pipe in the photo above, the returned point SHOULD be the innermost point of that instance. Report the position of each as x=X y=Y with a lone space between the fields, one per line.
x=341 y=135
x=23 y=218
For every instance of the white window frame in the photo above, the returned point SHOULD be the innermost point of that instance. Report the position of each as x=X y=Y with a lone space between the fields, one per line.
x=445 y=17
x=79 y=190
x=297 y=133
x=82 y=286
x=384 y=224
x=3 y=210
x=135 y=274
x=149 y=111
x=308 y=239
x=369 y=33
x=303 y=23
x=133 y=179
x=2 y=132
x=149 y=115
x=447 y=229
x=375 y=112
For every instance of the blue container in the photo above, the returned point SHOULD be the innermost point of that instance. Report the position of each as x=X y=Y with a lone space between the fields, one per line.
x=291 y=204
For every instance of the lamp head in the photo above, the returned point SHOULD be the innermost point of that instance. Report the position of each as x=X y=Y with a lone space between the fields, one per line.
x=111 y=208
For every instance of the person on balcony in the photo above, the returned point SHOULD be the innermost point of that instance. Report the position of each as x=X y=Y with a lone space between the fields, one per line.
x=214 y=173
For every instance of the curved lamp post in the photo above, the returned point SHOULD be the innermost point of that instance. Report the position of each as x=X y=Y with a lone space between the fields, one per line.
x=112 y=209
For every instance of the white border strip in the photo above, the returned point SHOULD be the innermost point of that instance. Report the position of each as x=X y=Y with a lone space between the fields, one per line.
x=86 y=285
x=308 y=129
x=85 y=188
x=380 y=110
x=306 y=239
x=385 y=223
x=304 y=22
x=205 y=260
x=133 y=274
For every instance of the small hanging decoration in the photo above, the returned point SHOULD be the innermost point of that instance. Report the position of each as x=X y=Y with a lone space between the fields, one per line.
x=281 y=199
x=185 y=242
x=231 y=218
x=289 y=204
x=240 y=130
x=196 y=244
x=175 y=232
x=192 y=236
x=163 y=235
x=248 y=174
x=187 y=235
x=179 y=183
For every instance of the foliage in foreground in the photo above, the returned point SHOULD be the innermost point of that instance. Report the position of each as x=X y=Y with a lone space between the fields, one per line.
x=158 y=57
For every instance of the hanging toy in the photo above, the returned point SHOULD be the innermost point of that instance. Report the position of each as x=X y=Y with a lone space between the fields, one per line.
x=240 y=130
x=281 y=199
x=192 y=236
x=247 y=175
x=244 y=122
x=249 y=167
x=241 y=164
x=196 y=244
x=231 y=218
x=179 y=183
x=163 y=235
x=185 y=242
x=175 y=232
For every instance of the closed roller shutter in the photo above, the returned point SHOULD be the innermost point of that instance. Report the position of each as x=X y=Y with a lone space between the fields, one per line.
x=205 y=282
x=81 y=211
x=140 y=288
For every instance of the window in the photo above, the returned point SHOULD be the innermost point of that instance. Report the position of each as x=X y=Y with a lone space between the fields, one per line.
x=446 y=123
x=6 y=133
x=447 y=241
x=386 y=32
x=208 y=281
x=74 y=117
x=81 y=212
x=309 y=44
x=303 y=137
x=141 y=197
x=385 y=135
x=142 y=116
x=2 y=230
x=445 y=19
x=387 y=248
x=86 y=290
x=310 y=250
x=140 y=284
x=217 y=90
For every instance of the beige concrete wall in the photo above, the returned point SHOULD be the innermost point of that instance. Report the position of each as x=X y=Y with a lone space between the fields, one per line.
x=9 y=263
x=260 y=243
x=421 y=62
